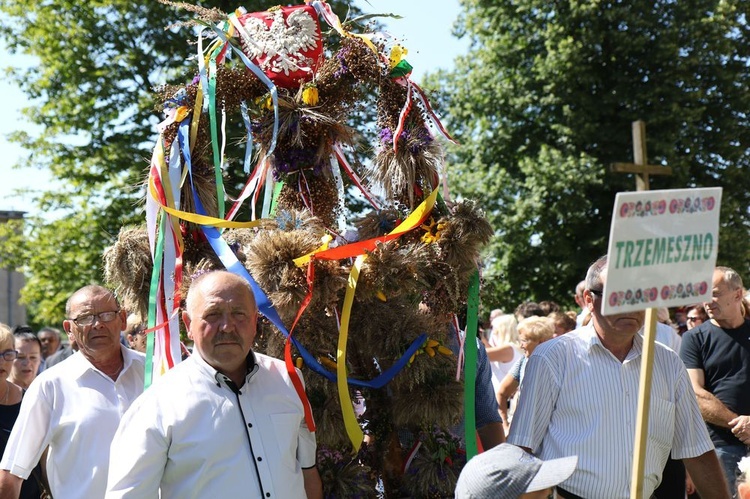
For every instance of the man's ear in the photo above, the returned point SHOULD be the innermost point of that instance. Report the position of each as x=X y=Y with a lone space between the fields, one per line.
x=67 y=325
x=123 y=319
x=588 y=299
x=186 y=321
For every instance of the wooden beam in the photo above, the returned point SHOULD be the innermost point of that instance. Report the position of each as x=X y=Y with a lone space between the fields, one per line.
x=636 y=168
x=640 y=165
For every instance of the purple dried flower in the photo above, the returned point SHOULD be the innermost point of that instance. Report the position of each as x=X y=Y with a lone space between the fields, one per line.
x=342 y=62
x=386 y=136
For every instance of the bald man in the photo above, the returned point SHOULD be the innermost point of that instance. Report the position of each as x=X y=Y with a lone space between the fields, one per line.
x=226 y=421
x=75 y=406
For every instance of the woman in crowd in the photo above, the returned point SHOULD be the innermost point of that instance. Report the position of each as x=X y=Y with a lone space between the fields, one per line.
x=502 y=347
x=696 y=315
x=10 y=404
x=531 y=333
x=563 y=323
x=29 y=357
x=134 y=334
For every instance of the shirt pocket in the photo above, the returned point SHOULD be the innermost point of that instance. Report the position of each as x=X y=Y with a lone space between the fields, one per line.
x=286 y=429
x=661 y=424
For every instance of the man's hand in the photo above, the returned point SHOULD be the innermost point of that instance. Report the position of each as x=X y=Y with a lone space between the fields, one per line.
x=741 y=428
x=689 y=485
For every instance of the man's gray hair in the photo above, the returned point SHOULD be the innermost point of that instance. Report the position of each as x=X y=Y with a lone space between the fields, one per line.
x=216 y=273
x=730 y=277
x=92 y=289
x=594 y=274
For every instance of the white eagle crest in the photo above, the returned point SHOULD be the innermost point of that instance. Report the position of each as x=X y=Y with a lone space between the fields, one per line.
x=282 y=42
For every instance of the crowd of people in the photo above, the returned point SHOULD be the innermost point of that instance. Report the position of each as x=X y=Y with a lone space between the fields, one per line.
x=83 y=426
x=576 y=395
x=557 y=396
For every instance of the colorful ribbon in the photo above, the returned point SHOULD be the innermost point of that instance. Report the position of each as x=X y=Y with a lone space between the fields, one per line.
x=324 y=11
x=351 y=424
x=351 y=250
x=339 y=153
x=470 y=369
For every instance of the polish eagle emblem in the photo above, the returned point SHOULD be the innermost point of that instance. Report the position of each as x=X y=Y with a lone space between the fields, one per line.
x=283 y=44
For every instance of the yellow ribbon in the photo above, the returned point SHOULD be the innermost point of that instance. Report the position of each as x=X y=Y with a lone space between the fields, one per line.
x=201 y=219
x=347 y=409
x=410 y=223
x=305 y=259
x=351 y=424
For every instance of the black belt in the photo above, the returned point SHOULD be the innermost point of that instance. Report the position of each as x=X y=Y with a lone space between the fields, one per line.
x=564 y=494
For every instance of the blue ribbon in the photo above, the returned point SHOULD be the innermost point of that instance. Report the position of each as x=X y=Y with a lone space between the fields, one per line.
x=265 y=307
x=249 y=145
x=266 y=81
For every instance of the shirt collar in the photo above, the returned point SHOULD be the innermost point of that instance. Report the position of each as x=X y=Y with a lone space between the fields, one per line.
x=589 y=335
x=80 y=365
x=209 y=371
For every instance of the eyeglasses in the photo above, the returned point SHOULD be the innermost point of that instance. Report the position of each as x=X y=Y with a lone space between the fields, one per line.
x=9 y=355
x=599 y=292
x=693 y=319
x=88 y=319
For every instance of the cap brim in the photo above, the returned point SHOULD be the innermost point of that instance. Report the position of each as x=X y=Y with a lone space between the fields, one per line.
x=553 y=472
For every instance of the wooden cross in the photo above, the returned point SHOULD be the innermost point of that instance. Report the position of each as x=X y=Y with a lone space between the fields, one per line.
x=642 y=170
x=640 y=165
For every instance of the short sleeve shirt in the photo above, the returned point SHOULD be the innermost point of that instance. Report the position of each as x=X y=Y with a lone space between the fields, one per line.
x=724 y=357
x=75 y=409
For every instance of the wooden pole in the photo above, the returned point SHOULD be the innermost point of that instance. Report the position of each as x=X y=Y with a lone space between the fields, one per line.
x=644 y=405
x=642 y=170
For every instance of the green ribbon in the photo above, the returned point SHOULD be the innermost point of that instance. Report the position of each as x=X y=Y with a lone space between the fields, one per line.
x=214 y=127
x=275 y=200
x=470 y=367
x=401 y=69
x=152 y=300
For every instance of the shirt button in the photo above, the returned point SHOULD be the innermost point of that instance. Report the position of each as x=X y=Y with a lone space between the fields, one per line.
x=268 y=494
x=249 y=425
x=260 y=458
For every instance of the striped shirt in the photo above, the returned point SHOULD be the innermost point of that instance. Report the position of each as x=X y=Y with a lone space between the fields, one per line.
x=577 y=398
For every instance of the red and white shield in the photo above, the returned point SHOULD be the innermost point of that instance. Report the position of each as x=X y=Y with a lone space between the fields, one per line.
x=285 y=42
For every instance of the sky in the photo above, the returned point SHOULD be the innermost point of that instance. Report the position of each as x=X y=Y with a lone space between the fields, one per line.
x=424 y=29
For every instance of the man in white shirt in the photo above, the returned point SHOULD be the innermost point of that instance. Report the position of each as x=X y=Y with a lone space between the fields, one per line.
x=580 y=396
x=75 y=407
x=226 y=422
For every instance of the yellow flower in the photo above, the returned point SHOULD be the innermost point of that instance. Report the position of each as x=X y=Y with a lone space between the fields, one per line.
x=310 y=95
x=398 y=52
x=264 y=102
x=432 y=231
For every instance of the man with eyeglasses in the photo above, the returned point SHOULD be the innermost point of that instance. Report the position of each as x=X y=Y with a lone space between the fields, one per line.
x=717 y=357
x=579 y=396
x=73 y=409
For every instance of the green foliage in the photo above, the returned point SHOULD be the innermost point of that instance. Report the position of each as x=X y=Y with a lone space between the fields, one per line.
x=543 y=104
x=92 y=91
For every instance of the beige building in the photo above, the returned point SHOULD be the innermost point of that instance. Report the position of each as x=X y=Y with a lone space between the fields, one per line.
x=11 y=311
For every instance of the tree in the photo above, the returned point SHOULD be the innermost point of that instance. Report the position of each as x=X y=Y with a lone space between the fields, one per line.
x=543 y=103
x=93 y=97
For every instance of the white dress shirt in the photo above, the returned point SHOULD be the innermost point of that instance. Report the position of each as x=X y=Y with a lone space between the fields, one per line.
x=192 y=436
x=75 y=409
x=667 y=336
x=577 y=398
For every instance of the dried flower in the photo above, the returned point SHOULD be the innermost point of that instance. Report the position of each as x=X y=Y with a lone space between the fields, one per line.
x=310 y=94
